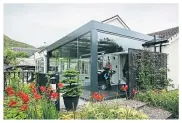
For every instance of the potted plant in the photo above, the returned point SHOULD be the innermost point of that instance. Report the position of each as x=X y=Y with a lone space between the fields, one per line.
x=71 y=89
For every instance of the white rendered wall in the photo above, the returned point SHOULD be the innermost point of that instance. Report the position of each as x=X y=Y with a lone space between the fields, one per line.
x=173 y=58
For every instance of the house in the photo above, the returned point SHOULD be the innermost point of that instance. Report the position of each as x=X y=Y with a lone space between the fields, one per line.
x=171 y=47
x=40 y=55
x=23 y=63
x=90 y=48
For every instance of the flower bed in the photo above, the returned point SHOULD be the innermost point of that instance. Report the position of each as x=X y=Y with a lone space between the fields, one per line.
x=104 y=111
x=168 y=100
x=27 y=103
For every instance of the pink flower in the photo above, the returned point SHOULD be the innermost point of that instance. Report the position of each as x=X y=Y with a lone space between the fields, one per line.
x=124 y=88
x=43 y=88
x=60 y=85
x=134 y=91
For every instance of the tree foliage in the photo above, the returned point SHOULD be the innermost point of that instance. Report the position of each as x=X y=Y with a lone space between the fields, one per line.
x=10 y=56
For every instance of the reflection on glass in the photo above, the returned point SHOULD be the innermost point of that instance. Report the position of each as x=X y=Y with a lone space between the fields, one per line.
x=112 y=61
x=39 y=65
x=74 y=55
x=84 y=48
x=54 y=60
x=111 y=43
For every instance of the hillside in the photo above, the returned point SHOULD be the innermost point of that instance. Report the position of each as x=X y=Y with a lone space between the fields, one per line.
x=41 y=47
x=8 y=43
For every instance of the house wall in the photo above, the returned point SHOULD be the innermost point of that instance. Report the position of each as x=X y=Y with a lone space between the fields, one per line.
x=40 y=58
x=173 y=58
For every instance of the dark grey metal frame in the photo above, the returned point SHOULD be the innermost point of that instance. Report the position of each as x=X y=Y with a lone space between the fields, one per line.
x=94 y=27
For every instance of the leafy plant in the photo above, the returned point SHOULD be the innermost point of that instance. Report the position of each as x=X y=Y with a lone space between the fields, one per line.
x=72 y=86
x=104 y=111
x=13 y=113
x=168 y=100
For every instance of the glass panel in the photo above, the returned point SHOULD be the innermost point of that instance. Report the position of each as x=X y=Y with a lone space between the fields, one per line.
x=54 y=60
x=84 y=49
x=40 y=65
x=74 y=55
x=112 y=62
x=69 y=56
x=111 y=43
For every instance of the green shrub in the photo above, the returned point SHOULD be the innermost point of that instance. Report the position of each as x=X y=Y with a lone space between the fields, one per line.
x=168 y=100
x=72 y=85
x=104 y=111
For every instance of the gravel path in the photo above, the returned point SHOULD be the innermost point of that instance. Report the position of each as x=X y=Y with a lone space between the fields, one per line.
x=152 y=112
x=128 y=103
x=155 y=113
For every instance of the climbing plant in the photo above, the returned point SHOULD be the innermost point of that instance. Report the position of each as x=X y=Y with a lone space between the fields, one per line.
x=149 y=69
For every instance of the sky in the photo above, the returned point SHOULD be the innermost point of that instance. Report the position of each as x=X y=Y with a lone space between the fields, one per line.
x=38 y=23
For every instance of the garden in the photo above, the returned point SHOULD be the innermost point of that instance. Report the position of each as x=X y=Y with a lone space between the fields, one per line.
x=31 y=101
x=34 y=101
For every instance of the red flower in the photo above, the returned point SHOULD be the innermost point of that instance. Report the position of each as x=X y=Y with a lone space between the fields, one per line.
x=34 y=90
x=43 y=88
x=11 y=92
x=98 y=96
x=54 y=95
x=12 y=103
x=124 y=88
x=95 y=94
x=9 y=88
x=25 y=98
x=134 y=91
x=60 y=85
x=37 y=96
x=24 y=107
x=20 y=94
x=32 y=85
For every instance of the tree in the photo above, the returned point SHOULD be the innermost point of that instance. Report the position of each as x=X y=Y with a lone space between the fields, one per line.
x=10 y=56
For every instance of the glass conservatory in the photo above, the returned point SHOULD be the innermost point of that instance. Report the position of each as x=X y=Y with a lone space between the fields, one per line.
x=99 y=52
